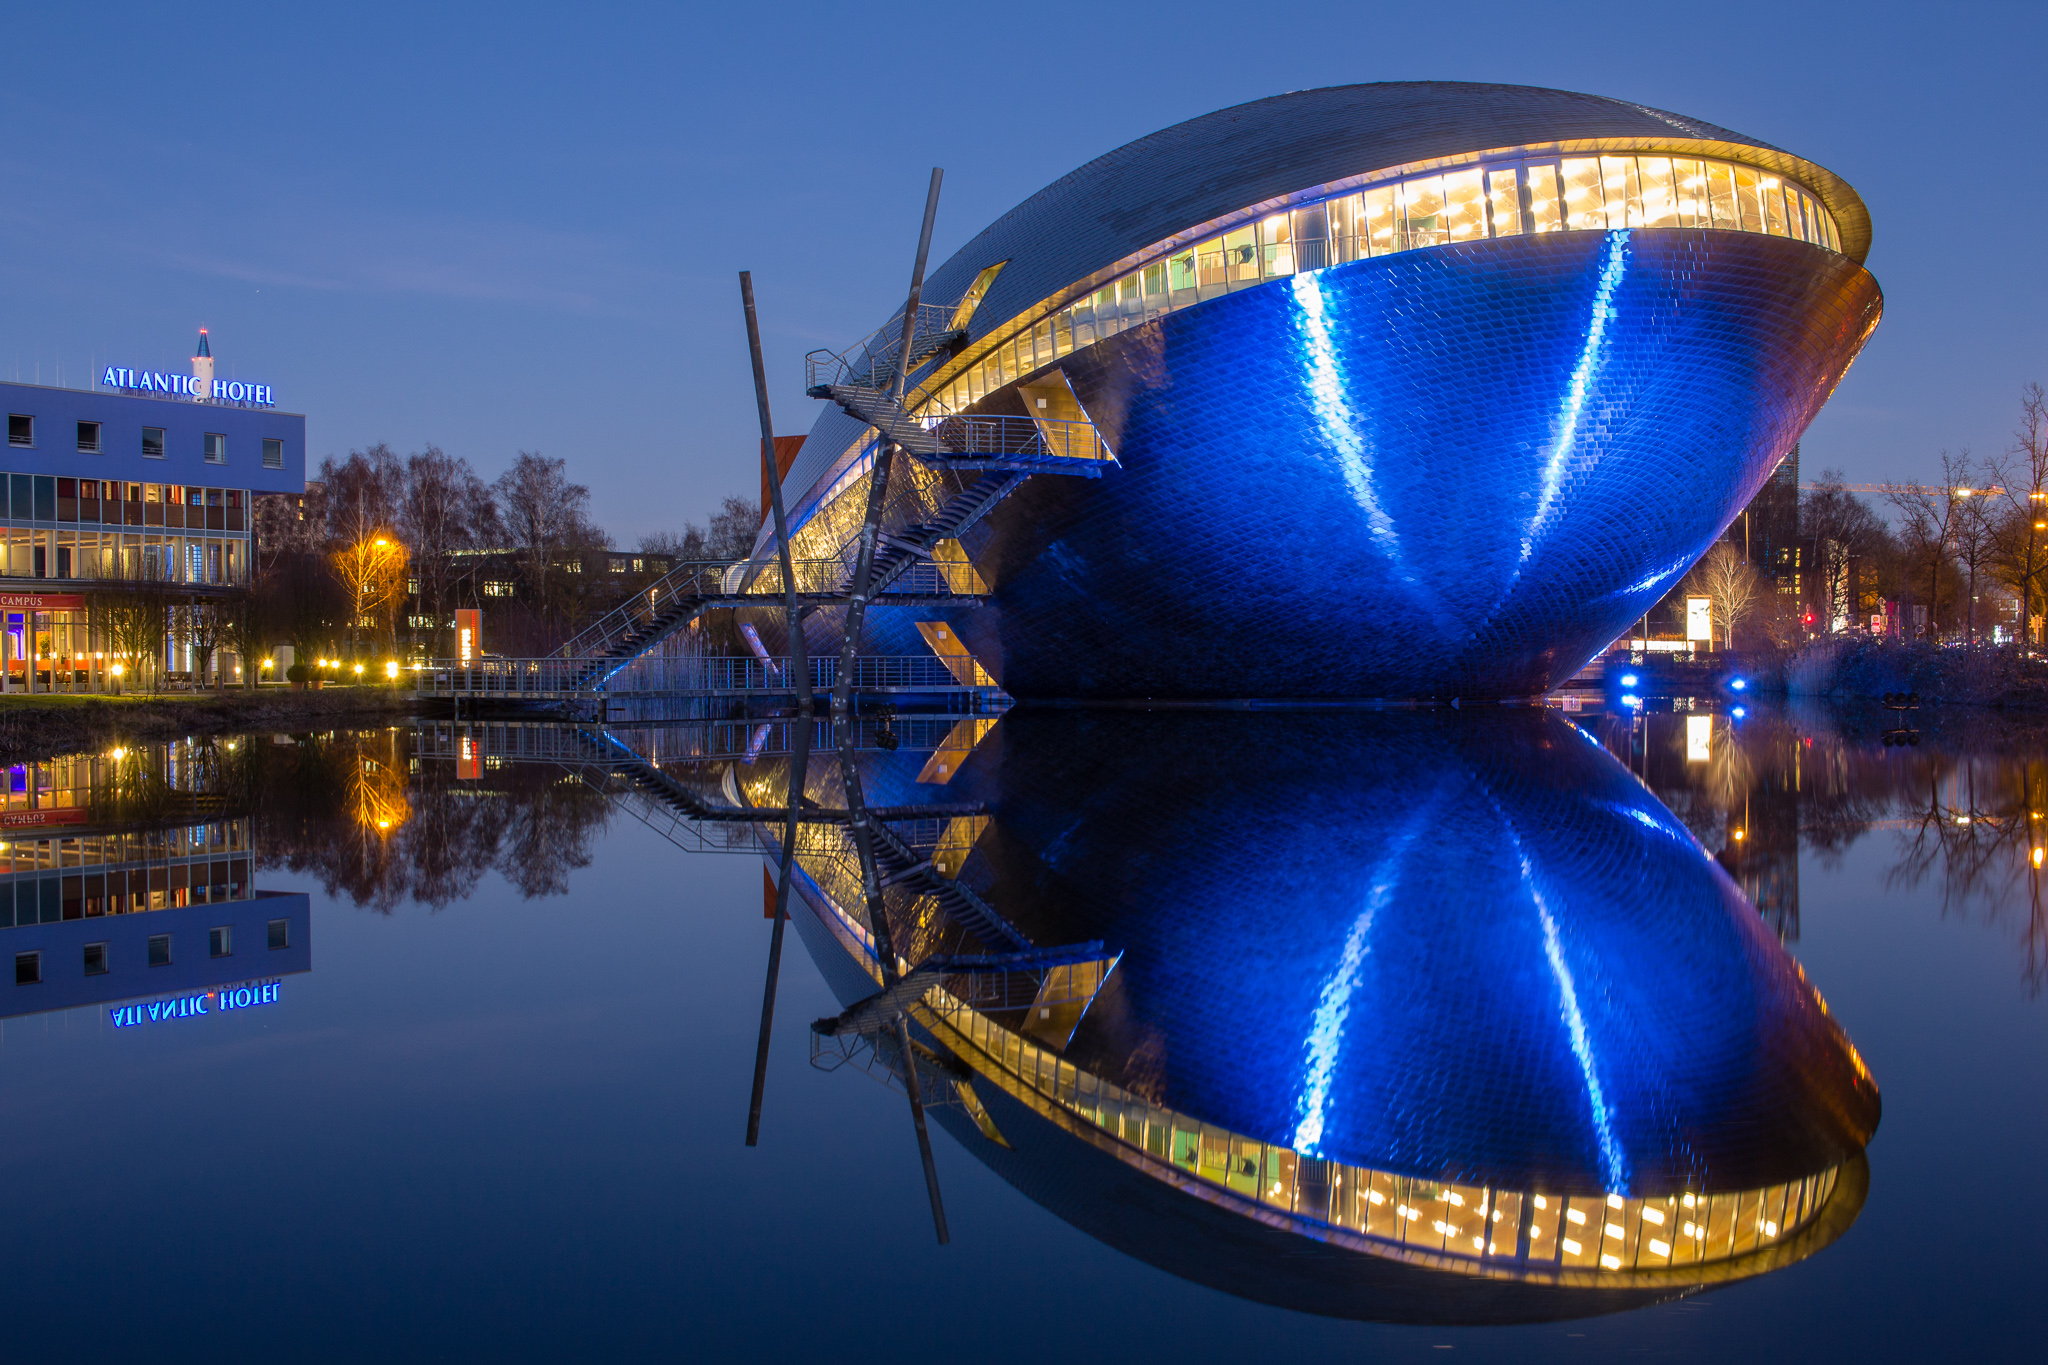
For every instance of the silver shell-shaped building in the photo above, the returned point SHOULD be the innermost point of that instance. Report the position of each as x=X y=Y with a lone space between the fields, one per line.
x=1418 y=389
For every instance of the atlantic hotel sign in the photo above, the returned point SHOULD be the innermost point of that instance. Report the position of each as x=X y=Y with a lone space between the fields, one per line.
x=188 y=386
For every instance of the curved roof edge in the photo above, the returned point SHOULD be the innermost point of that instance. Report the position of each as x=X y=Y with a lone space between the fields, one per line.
x=1193 y=178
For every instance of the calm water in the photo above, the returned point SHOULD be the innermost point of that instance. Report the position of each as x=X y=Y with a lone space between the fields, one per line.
x=493 y=1107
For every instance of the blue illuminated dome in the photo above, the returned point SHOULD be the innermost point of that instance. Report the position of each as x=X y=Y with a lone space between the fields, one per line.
x=1403 y=389
x=1412 y=1016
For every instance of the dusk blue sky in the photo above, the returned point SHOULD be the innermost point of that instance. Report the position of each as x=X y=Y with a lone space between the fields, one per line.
x=516 y=227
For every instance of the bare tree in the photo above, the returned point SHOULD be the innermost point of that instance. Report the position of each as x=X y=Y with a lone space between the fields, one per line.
x=2021 y=554
x=542 y=510
x=244 y=631
x=372 y=572
x=681 y=547
x=438 y=515
x=1729 y=581
x=202 y=624
x=732 y=530
x=1928 y=523
x=1836 y=517
x=361 y=495
x=1975 y=542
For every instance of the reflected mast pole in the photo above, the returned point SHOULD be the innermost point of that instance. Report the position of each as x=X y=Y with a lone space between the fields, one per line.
x=800 y=666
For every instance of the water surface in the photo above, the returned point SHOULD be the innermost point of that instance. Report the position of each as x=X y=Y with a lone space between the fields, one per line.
x=500 y=1115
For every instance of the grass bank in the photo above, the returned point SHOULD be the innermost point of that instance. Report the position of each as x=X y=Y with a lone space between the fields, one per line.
x=33 y=727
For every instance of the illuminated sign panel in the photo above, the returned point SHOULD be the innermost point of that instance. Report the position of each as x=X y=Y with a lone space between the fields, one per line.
x=42 y=601
x=37 y=819
x=197 y=1004
x=469 y=635
x=1699 y=619
x=1699 y=738
x=185 y=386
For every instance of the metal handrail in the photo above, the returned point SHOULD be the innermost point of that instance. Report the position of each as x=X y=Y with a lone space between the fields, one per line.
x=871 y=361
x=707 y=676
x=734 y=582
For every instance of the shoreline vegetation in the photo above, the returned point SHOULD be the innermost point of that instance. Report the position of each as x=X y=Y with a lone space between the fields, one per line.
x=1855 y=668
x=36 y=727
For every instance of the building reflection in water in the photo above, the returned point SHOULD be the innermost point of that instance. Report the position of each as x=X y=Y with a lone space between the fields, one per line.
x=1961 y=815
x=1400 y=1016
x=130 y=875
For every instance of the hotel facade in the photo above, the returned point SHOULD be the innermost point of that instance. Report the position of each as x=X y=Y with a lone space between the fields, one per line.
x=141 y=486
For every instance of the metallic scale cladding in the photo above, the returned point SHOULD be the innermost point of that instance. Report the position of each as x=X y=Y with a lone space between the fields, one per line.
x=1413 y=389
x=1412 y=1008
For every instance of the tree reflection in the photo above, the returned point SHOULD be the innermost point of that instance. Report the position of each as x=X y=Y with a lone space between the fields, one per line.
x=1967 y=809
x=377 y=827
x=1977 y=830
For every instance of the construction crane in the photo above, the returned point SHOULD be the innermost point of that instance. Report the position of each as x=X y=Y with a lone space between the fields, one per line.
x=1926 y=490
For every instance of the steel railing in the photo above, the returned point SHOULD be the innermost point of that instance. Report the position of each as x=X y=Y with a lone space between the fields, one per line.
x=678 y=676
x=731 y=583
x=871 y=362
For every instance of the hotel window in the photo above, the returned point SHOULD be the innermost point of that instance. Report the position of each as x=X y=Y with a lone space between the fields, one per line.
x=159 y=949
x=220 y=942
x=273 y=453
x=152 y=443
x=21 y=429
x=28 y=968
x=280 y=933
x=216 y=448
x=95 y=959
x=89 y=438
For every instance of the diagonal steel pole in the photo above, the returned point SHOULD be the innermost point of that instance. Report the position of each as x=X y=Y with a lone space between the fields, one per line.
x=798 y=765
x=860 y=823
x=799 y=665
x=878 y=482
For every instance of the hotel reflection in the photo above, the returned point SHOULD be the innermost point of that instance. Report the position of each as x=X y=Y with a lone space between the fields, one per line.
x=129 y=874
x=1402 y=1016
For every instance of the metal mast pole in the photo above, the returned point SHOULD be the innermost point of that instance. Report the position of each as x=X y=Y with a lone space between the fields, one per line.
x=799 y=665
x=798 y=763
x=878 y=481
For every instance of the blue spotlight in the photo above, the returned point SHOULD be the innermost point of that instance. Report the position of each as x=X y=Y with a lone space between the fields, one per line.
x=1628 y=680
x=1738 y=684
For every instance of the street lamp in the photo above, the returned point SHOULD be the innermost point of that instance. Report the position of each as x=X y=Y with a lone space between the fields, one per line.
x=391 y=669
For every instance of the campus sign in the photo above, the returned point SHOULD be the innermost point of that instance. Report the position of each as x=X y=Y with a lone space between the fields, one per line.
x=186 y=386
x=42 y=601
x=38 y=819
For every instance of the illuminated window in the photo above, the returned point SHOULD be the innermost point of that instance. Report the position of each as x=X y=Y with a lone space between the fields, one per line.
x=1464 y=206
x=1546 y=199
x=1504 y=201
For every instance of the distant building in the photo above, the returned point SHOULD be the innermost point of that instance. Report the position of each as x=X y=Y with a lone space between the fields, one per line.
x=141 y=486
